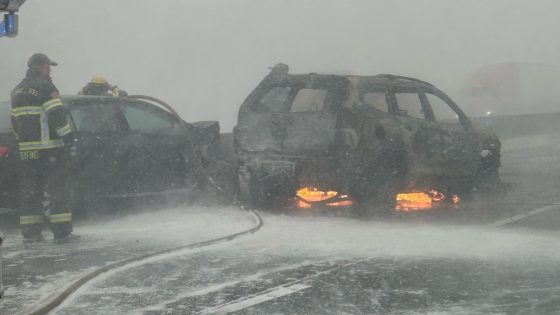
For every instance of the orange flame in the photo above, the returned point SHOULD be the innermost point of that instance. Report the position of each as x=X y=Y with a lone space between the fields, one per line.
x=419 y=201
x=413 y=201
x=303 y=204
x=342 y=203
x=309 y=195
x=455 y=199
x=314 y=194
x=436 y=195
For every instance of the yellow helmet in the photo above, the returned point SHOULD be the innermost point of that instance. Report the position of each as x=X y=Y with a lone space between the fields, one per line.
x=97 y=79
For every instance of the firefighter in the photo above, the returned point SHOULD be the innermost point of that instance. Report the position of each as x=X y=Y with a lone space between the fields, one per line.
x=40 y=123
x=99 y=86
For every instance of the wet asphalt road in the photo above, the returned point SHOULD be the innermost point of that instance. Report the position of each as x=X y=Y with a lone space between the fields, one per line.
x=443 y=262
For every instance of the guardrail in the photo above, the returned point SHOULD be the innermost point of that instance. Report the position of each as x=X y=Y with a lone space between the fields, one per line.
x=515 y=126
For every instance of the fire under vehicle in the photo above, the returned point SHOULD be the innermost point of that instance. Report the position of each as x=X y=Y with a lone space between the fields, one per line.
x=372 y=142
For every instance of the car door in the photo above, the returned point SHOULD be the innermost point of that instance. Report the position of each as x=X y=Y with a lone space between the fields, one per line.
x=460 y=155
x=98 y=165
x=9 y=159
x=159 y=146
x=295 y=118
x=424 y=142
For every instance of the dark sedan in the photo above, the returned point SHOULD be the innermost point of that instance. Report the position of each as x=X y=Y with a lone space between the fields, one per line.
x=126 y=148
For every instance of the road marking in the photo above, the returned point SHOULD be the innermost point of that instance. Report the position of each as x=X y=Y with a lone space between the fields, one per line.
x=221 y=286
x=256 y=299
x=275 y=292
x=524 y=215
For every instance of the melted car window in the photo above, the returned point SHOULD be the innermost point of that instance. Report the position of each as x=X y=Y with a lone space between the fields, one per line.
x=146 y=119
x=376 y=100
x=409 y=104
x=94 y=118
x=441 y=109
x=275 y=99
x=308 y=100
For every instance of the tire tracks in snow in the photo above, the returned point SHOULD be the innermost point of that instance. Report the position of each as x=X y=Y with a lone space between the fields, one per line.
x=243 y=302
x=56 y=300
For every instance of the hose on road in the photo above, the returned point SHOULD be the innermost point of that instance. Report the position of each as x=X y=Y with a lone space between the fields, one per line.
x=59 y=298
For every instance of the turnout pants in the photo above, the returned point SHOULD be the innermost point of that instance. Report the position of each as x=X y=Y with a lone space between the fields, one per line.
x=44 y=192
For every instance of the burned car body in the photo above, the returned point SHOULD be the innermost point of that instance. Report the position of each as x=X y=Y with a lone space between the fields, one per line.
x=332 y=140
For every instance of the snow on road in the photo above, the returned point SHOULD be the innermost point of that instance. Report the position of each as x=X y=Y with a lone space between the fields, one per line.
x=36 y=272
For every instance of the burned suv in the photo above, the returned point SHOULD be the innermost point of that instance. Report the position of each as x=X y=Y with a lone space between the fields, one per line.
x=333 y=140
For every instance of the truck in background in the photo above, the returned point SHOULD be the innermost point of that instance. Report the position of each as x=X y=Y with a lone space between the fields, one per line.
x=512 y=89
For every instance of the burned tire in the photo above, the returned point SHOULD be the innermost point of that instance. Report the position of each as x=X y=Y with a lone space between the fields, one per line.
x=382 y=179
x=380 y=200
x=379 y=188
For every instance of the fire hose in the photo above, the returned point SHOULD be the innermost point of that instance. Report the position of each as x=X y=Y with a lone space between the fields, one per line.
x=59 y=298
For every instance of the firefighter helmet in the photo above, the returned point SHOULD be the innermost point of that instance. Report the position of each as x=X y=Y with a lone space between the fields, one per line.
x=97 y=79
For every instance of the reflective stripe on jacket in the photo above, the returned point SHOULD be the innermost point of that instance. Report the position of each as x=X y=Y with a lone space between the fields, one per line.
x=39 y=121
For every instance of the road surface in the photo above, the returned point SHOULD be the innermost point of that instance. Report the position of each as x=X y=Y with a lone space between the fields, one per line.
x=456 y=261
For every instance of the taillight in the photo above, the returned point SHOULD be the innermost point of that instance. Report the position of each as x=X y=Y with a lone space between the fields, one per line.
x=4 y=151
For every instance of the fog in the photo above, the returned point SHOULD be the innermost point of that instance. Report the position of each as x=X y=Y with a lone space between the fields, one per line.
x=204 y=57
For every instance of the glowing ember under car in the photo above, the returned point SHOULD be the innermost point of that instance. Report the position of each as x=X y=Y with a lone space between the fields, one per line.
x=307 y=197
x=420 y=201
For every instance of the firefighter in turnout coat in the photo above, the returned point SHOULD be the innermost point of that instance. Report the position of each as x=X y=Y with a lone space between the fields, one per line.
x=42 y=128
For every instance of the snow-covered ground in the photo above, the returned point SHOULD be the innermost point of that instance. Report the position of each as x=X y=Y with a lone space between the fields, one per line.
x=34 y=273
x=314 y=253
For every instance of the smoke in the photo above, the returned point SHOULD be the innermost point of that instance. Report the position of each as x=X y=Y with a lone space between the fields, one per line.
x=204 y=57
x=338 y=237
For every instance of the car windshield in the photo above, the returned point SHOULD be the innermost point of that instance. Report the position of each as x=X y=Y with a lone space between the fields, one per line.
x=279 y=157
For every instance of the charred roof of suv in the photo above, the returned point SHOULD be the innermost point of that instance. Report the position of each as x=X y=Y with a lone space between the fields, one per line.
x=282 y=69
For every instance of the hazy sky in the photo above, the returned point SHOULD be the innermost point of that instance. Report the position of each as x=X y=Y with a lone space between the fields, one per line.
x=205 y=56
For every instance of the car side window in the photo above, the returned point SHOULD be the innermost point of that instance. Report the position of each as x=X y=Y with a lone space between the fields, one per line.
x=376 y=100
x=275 y=99
x=94 y=117
x=308 y=100
x=442 y=111
x=409 y=104
x=145 y=118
